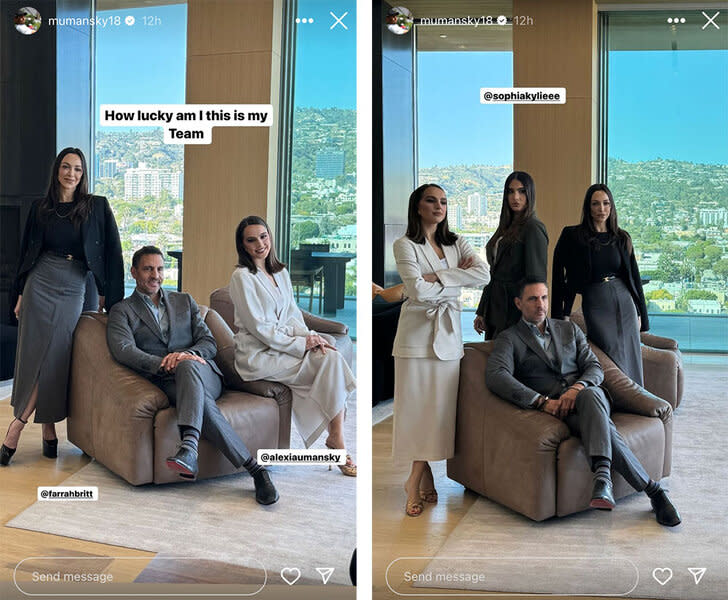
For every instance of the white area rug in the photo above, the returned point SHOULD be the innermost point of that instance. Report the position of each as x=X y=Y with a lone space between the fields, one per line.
x=698 y=487
x=312 y=525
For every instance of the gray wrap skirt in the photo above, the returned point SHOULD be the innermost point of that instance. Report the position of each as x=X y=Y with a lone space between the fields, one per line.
x=611 y=323
x=52 y=302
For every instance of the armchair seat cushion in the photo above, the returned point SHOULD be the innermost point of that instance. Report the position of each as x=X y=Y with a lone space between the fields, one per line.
x=642 y=434
x=254 y=418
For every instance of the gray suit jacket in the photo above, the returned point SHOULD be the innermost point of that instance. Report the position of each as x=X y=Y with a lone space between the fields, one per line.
x=135 y=339
x=518 y=368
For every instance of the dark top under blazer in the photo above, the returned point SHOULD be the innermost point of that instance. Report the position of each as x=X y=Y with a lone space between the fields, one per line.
x=526 y=257
x=101 y=245
x=572 y=274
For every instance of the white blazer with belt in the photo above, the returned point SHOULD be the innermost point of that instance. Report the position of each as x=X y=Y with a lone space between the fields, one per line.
x=271 y=335
x=429 y=323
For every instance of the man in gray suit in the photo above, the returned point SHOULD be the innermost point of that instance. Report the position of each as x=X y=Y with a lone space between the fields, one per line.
x=161 y=335
x=547 y=365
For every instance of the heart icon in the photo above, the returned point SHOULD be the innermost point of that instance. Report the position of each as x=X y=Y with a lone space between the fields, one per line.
x=292 y=574
x=662 y=576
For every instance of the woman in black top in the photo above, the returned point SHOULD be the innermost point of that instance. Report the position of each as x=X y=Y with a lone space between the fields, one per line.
x=68 y=233
x=596 y=259
x=518 y=249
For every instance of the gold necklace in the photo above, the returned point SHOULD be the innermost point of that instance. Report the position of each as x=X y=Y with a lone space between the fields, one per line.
x=59 y=215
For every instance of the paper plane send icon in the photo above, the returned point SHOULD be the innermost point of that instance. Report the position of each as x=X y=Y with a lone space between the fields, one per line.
x=697 y=573
x=325 y=573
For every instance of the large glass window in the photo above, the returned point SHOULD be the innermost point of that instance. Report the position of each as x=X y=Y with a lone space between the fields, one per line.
x=142 y=61
x=323 y=164
x=667 y=164
x=463 y=145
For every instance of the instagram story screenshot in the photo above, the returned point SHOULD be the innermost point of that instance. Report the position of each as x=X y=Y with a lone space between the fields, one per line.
x=550 y=317
x=178 y=309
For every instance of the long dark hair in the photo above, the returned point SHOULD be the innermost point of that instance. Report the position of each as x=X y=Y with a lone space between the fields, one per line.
x=443 y=235
x=511 y=224
x=79 y=213
x=272 y=264
x=587 y=230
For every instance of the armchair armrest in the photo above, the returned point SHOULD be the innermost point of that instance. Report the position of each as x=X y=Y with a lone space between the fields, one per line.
x=656 y=341
x=112 y=408
x=225 y=360
x=663 y=373
x=322 y=325
x=627 y=396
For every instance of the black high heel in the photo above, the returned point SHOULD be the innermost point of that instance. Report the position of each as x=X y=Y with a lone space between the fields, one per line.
x=50 y=448
x=7 y=453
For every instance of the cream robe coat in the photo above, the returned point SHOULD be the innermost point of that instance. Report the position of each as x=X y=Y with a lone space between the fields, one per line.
x=429 y=323
x=271 y=344
x=271 y=335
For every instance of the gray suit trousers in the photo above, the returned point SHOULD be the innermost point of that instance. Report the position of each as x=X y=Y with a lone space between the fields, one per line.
x=193 y=388
x=600 y=437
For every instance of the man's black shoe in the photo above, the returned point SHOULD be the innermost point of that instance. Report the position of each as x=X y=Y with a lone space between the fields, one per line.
x=265 y=491
x=665 y=513
x=602 y=497
x=184 y=462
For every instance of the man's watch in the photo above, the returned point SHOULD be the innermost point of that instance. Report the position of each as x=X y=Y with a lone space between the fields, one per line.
x=541 y=402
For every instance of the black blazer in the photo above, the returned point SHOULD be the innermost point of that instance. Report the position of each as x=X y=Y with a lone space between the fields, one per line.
x=572 y=274
x=101 y=245
x=523 y=258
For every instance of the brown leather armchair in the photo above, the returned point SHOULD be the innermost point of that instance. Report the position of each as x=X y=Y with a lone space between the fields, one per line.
x=127 y=424
x=528 y=460
x=221 y=302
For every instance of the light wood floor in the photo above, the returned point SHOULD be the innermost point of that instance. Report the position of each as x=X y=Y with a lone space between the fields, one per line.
x=396 y=535
x=18 y=489
x=19 y=483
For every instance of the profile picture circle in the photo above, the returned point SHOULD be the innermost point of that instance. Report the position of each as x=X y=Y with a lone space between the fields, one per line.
x=27 y=20
x=399 y=20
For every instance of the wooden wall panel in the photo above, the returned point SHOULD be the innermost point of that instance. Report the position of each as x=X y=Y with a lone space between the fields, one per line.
x=229 y=26
x=230 y=60
x=556 y=144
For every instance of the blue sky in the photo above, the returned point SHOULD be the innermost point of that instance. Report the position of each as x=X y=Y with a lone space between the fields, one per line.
x=662 y=104
x=143 y=64
x=669 y=105
x=454 y=128
x=140 y=64
x=326 y=58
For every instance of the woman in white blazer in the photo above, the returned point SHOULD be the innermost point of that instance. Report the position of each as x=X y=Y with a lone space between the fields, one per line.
x=434 y=265
x=274 y=343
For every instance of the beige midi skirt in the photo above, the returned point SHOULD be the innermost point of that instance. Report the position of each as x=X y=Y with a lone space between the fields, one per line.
x=320 y=387
x=425 y=403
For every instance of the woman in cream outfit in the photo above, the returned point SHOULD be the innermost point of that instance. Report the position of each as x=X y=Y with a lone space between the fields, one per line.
x=434 y=265
x=274 y=343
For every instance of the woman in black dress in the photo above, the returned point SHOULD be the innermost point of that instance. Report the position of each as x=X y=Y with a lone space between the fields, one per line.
x=518 y=249
x=596 y=259
x=67 y=234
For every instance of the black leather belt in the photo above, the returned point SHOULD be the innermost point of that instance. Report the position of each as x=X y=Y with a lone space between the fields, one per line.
x=68 y=257
x=607 y=278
